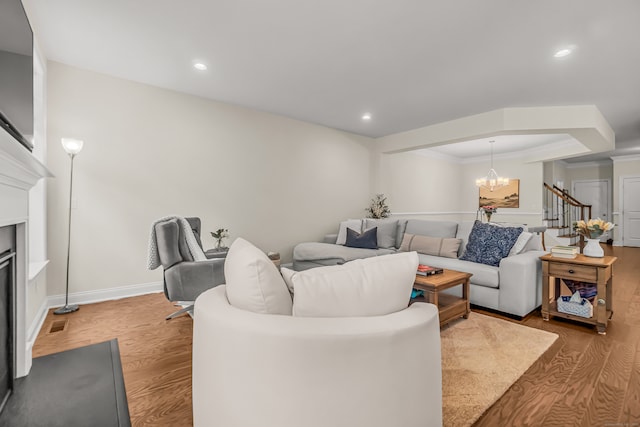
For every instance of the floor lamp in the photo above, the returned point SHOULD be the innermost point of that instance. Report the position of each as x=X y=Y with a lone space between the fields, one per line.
x=72 y=147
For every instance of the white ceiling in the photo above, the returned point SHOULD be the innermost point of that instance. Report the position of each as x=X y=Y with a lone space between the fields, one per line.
x=409 y=63
x=503 y=146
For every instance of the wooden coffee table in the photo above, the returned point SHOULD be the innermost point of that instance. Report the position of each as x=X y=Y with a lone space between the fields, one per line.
x=450 y=307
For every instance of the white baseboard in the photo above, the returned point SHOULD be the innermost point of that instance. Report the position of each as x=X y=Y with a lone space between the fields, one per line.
x=99 y=295
x=617 y=243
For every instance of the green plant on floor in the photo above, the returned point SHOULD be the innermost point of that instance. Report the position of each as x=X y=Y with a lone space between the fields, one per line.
x=378 y=207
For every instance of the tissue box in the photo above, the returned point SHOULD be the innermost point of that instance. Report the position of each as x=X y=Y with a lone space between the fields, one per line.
x=582 y=309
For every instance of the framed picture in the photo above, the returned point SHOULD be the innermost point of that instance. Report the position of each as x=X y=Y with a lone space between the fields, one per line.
x=503 y=197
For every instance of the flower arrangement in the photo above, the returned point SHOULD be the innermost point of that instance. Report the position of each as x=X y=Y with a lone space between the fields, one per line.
x=378 y=207
x=489 y=209
x=220 y=234
x=592 y=229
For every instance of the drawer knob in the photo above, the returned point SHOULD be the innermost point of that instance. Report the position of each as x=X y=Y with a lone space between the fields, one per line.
x=571 y=271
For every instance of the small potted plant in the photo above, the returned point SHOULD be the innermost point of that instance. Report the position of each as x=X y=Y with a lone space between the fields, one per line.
x=220 y=234
x=378 y=207
x=489 y=210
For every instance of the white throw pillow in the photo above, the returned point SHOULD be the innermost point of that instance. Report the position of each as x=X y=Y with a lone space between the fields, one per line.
x=253 y=281
x=287 y=275
x=354 y=224
x=519 y=245
x=365 y=287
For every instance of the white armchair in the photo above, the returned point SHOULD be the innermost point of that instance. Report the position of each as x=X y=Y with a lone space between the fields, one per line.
x=265 y=370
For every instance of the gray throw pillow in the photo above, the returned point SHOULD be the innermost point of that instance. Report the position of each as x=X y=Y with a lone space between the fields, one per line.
x=387 y=231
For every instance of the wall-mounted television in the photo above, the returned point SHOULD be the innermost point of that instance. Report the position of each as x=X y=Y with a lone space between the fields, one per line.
x=16 y=72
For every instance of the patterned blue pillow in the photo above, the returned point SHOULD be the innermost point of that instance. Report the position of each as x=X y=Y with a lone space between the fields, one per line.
x=488 y=244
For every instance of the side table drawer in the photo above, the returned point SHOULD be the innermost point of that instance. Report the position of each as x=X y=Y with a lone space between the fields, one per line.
x=572 y=271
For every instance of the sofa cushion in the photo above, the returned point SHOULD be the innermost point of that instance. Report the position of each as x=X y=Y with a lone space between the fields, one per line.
x=432 y=228
x=315 y=251
x=464 y=229
x=438 y=246
x=521 y=243
x=253 y=281
x=354 y=224
x=483 y=275
x=387 y=231
x=488 y=244
x=365 y=240
x=402 y=226
x=364 y=287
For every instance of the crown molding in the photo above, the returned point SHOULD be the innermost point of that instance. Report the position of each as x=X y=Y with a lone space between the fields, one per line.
x=593 y=164
x=629 y=158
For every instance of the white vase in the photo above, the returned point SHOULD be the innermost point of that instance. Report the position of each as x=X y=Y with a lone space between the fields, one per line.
x=593 y=248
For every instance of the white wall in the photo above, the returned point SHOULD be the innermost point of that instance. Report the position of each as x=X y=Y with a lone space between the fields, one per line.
x=438 y=188
x=151 y=152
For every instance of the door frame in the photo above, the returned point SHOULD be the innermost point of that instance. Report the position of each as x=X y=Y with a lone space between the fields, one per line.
x=620 y=212
x=609 y=196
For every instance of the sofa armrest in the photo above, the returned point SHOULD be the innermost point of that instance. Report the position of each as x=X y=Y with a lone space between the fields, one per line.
x=186 y=280
x=521 y=283
x=330 y=238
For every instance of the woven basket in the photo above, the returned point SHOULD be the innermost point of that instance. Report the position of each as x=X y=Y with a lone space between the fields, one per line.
x=582 y=309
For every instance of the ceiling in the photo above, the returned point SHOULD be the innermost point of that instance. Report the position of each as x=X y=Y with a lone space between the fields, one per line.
x=408 y=63
x=503 y=146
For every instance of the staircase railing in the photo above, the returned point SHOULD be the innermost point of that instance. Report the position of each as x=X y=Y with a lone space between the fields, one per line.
x=562 y=210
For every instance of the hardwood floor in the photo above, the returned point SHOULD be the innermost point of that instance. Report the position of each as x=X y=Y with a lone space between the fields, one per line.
x=156 y=354
x=584 y=379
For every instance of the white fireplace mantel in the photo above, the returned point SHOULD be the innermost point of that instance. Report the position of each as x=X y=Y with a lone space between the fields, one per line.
x=19 y=172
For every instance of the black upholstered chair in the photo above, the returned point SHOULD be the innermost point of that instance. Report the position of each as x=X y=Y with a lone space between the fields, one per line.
x=184 y=277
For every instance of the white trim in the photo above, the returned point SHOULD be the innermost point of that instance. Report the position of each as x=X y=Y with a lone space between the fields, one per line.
x=464 y=213
x=630 y=158
x=617 y=243
x=595 y=163
x=36 y=267
x=621 y=180
x=36 y=324
x=609 y=197
x=99 y=295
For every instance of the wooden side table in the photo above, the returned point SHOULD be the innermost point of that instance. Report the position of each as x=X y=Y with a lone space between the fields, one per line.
x=598 y=271
x=449 y=307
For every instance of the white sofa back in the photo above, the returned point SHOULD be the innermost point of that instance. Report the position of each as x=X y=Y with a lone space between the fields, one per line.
x=261 y=370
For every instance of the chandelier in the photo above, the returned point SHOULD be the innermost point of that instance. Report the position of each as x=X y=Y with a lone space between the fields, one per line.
x=492 y=180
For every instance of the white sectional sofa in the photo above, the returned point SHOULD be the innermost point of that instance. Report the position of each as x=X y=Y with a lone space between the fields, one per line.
x=514 y=286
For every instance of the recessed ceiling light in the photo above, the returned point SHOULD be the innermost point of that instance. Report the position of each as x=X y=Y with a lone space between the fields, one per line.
x=199 y=66
x=366 y=117
x=563 y=52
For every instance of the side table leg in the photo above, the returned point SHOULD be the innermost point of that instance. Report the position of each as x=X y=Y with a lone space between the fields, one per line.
x=465 y=296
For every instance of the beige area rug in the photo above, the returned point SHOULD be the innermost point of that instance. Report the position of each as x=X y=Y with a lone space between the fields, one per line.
x=481 y=358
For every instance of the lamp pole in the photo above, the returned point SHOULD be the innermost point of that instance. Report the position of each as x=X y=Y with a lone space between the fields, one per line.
x=72 y=147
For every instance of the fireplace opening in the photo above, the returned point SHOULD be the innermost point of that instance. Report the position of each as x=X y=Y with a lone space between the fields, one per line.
x=7 y=330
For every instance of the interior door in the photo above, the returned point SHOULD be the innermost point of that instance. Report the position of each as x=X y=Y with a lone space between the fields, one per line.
x=595 y=193
x=631 y=211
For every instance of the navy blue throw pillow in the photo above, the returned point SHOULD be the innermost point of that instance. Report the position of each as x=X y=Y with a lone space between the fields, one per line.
x=488 y=244
x=366 y=240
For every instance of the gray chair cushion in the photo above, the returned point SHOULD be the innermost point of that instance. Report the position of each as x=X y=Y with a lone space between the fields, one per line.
x=432 y=228
x=167 y=237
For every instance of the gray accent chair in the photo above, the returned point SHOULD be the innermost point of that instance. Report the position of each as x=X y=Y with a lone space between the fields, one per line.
x=184 y=278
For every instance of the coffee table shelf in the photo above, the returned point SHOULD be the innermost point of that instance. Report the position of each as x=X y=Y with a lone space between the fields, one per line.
x=450 y=307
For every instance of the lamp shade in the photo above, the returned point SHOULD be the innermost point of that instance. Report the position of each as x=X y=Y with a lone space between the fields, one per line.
x=72 y=146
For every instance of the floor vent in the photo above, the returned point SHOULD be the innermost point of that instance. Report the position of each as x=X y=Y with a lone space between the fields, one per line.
x=58 y=326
